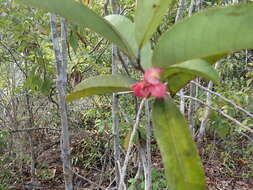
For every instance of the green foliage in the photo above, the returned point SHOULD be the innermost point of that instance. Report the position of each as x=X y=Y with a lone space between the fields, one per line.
x=202 y=35
x=178 y=73
x=126 y=29
x=148 y=16
x=78 y=13
x=181 y=161
x=100 y=85
x=158 y=179
x=5 y=172
x=3 y=140
x=187 y=50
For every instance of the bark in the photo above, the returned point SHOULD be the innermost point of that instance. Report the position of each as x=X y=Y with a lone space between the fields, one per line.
x=191 y=7
x=182 y=101
x=115 y=106
x=122 y=185
x=204 y=121
x=115 y=6
x=191 y=108
x=178 y=17
x=106 y=12
x=147 y=169
x=199 y=4
x=61 y=65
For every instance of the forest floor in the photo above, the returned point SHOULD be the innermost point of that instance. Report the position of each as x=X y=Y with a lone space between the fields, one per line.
x=222 y=172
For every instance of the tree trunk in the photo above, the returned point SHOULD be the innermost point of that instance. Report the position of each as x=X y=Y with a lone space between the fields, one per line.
x=180 y=10
x=178 y=17
x=204 y=121
x=147 y=171
x=115 y=106
x=61 y=65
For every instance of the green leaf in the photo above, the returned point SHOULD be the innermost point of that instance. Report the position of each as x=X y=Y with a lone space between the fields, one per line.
x=180 y=158
x=178 y=81
x=101 y=85
x=79 y=14
x=196 y=67
x=126 y=30
x=148 y=16
x=214 y=32
x=73 y=41
x=180 y=74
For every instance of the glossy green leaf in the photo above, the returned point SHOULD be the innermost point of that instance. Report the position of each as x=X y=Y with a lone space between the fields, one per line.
x=79 y=14
x=180 y=74
x=196 y=67
x=180 y=158
x=216 y=31
x=148 y=16
x=126 y=30
x=101 y=85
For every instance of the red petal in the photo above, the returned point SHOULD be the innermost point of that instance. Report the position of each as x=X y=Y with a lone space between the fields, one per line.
x=152 y=75
x=158 y=90
x=141 y=89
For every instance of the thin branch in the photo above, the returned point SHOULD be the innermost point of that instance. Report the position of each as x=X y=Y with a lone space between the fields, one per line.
x=130 y=144
x=123 y=93
x=14 y=58
x=89 y=181
x=123 y=63
x=126 y=8
x=225 y=99
x=222 y=113
x=148 y=175
x=96 y=46
x=33 y=129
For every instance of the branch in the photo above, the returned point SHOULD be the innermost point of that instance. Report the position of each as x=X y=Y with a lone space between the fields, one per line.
x=123 y=10
x=89 y=181
x=14 y=58
x=225 y=99
x=33 y=129
x=130 y=144
x=222 y=113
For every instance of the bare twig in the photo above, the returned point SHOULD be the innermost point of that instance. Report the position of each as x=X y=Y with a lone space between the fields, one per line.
x=14 y=58
x=148 y=179
x=225 y=99
x=123 y=93
x=222 y=113
x=33 y=129
x=123 y=63
x=96 y=46
x=86 y=179
x=130 y=144
x=126 y=8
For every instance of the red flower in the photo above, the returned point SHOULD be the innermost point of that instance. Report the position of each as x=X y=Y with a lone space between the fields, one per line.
x=152 y=75
x=150 y=85
x=140 y=89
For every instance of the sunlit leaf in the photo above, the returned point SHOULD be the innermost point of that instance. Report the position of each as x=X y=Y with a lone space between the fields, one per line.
x=148 y=16
x=80 y=14
x=214 y=32
x=101 y=85
x=179 y=153
x=180 y=74
x=126 y=30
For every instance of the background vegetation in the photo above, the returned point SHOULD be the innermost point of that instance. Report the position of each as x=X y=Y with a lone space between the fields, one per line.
x=30 y=120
